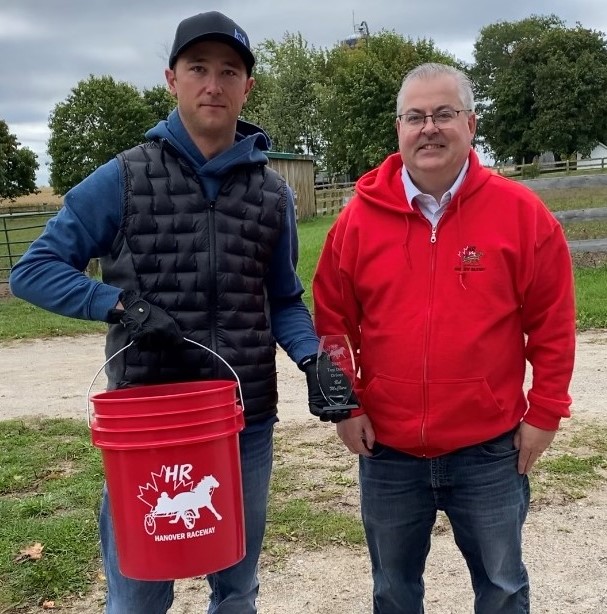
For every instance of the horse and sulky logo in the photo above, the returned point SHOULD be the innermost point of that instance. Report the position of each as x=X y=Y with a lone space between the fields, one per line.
x=172 y=494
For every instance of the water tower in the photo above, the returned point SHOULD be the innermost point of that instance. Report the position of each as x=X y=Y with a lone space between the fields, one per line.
x=361 y=33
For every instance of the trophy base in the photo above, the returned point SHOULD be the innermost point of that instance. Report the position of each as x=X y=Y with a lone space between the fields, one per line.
x=340 y=407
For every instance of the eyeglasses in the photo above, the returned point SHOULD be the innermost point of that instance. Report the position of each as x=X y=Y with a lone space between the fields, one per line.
x=440 y=119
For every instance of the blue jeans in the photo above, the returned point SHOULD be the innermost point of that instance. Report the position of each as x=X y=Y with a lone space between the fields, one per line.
x=233 y=590
x=486 y=501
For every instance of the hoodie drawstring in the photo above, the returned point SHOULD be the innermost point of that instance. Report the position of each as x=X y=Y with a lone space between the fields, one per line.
x=460 y=242
x=406 y=243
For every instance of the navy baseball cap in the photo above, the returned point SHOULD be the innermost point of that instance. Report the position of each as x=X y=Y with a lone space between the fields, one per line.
x=212 y=26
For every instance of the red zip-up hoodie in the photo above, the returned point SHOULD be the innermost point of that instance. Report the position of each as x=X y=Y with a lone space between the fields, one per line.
x=443 y=320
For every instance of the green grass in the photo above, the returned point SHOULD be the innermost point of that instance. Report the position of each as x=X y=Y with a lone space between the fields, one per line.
x=591 y=229
x=50 y=485
x=591 y=293
x=298 y=520
x=579 y=198
x=311 y=239
x=570 y=476
x=574 y=198
x=592 y=436
x=574 y=466
x=21 y=320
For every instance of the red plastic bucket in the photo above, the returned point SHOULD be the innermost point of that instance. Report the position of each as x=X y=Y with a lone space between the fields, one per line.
x=165 y=418
x=173 y=477
x=103 y=437
x=158 y=398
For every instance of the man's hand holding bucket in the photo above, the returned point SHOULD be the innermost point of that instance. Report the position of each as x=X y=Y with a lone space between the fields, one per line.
x=149 y=326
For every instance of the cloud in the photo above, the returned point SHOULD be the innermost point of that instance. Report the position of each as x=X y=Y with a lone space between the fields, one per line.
x=18 y=27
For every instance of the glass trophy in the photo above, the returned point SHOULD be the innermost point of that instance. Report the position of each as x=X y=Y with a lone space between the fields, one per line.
x=335 y=370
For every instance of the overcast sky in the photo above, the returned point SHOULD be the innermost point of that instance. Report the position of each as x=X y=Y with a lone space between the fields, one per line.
x=48 y=46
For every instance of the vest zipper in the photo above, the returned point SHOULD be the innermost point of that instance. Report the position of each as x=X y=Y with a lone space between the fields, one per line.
x=213 y=278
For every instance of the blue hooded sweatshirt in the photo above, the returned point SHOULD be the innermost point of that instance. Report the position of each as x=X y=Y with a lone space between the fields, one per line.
x=51 y=276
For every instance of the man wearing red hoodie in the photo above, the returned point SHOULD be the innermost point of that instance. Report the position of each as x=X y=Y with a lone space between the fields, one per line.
x=447 y=278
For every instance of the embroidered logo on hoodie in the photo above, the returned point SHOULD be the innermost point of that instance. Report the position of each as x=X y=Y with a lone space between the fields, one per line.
x=470 y=259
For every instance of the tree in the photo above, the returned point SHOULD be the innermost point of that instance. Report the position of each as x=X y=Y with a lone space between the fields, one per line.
x=359 y=98
x=495 y=46
x=338 y=104
x=18 y=166
x=285 y=99
x=570 y=87
x=504 y=101
x=542 y=87
x=160 y=102
x=100 y=118
x=504 y=120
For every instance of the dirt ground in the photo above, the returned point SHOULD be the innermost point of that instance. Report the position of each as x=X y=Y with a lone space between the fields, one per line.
x=565 y=545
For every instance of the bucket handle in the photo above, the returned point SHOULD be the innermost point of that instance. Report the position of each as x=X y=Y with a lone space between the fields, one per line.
x=126 y=347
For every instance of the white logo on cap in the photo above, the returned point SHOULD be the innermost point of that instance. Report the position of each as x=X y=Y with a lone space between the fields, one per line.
x=241 y=37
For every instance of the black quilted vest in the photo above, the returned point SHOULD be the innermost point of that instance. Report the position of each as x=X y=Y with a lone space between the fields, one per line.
x=204 y=262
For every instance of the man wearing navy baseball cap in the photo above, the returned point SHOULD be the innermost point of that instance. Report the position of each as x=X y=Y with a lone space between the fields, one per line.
x=197 y=239
x=212 y=26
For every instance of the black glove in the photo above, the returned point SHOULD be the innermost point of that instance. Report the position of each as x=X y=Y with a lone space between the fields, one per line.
x=150 y=327
x=319 y=406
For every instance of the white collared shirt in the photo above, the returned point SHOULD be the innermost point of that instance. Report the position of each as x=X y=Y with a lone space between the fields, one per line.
x=428 y=206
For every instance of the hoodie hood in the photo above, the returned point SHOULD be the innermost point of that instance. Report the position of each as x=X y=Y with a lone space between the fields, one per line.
x=383 y=186
x=249 y=145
